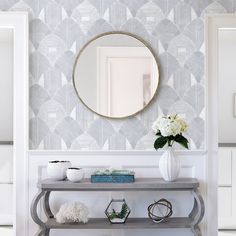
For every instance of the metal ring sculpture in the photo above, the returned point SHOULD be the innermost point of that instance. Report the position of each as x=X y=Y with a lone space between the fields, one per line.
x=158 y=207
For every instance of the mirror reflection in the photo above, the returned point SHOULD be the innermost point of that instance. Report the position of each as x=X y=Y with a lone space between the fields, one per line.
x=116 y=75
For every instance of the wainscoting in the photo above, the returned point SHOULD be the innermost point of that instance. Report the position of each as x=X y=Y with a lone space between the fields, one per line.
x=227 y=189
x=6 y=190
x=145 y=164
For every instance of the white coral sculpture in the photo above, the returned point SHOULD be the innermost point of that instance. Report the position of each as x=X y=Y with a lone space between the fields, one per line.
x=72 y=212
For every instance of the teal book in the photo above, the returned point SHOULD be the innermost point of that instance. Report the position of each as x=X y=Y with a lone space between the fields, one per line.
x=113 y=176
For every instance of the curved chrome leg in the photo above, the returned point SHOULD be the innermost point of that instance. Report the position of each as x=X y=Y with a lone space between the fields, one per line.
x=46 y=205
x=197 y=212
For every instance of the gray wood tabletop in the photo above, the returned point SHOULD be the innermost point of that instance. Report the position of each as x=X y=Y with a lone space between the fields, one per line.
x=132 y=223
x=140 y=184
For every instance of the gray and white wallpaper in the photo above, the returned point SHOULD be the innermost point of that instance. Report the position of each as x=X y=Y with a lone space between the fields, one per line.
x=58 y=30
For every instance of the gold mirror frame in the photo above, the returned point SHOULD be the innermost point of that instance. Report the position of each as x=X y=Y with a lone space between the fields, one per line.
x=111 y=33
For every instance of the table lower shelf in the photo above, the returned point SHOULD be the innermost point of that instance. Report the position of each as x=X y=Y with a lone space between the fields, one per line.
x=132 y=223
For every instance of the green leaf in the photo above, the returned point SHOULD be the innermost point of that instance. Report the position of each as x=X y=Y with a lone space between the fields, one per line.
x=181 y=140
x=112 y=216
x=123 y=212
x=160 y=142
x=171 y=137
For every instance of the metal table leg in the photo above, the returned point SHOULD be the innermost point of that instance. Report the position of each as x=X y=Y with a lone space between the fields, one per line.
x=197 y=212
x=46 y=205
x=43 y=231
x=47 y=231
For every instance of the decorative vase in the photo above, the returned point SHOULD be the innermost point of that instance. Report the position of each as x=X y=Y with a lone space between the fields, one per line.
x=169 y=165
x=75 y=174
x=56 y=170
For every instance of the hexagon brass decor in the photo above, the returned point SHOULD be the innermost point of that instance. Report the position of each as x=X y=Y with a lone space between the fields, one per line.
x=117 y=211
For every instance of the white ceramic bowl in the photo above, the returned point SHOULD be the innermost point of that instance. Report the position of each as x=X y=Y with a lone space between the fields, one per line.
x=75 y=174
x=56 y=170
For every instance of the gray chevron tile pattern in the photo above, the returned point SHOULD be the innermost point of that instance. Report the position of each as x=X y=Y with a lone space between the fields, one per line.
x=60 y=28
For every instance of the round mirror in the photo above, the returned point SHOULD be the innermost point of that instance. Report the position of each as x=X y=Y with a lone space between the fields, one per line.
x=116 y=75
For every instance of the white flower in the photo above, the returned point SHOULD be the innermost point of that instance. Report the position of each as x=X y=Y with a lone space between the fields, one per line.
x=184 y=125
x=170 y=125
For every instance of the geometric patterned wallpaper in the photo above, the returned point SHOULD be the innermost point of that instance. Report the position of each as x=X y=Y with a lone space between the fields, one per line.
x=58 y=30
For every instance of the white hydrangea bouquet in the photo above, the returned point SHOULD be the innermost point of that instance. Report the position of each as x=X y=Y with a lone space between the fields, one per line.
x=170 y=129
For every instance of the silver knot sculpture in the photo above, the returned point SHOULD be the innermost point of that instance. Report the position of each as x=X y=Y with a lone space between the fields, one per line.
x=160 y=210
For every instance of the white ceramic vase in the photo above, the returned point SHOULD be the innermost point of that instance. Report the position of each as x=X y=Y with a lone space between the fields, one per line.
x=75 y=174
x=169 y=165
x=56 y=170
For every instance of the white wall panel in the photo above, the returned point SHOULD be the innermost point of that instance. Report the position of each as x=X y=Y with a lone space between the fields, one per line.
x=227 y=85
x=225 y=202
x=227 y=233
x=227 y=188
x=6 y=202
x=6 y=84
x=225 y=167
x=234 y=184
x=6 y=231
x=6 y=163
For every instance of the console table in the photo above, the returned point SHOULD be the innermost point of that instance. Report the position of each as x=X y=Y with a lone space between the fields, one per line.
x=140 y=184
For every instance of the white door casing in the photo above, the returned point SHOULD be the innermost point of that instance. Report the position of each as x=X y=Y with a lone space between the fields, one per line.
x=18 y=21
x=213 y=23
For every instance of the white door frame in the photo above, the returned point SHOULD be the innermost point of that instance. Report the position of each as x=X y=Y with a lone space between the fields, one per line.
x=18 y=22
x=213 y=23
